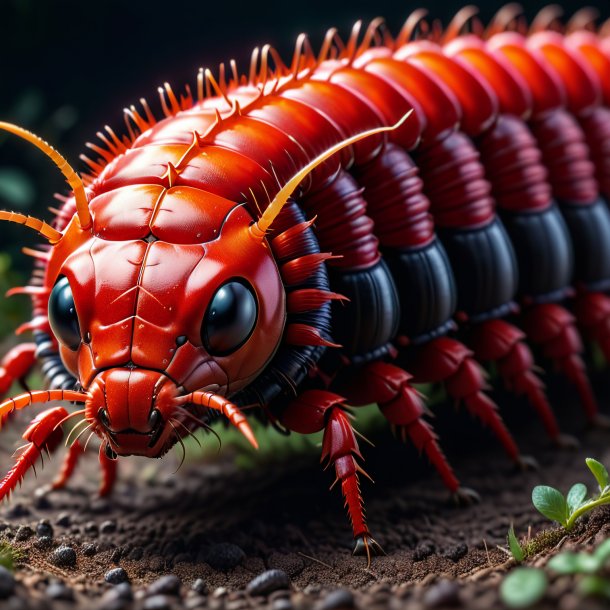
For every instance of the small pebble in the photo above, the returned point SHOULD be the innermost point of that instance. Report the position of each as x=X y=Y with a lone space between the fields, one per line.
x=456 y=552
x=41 y=500
x=200 y=587
x=18 y=510
x=423 y=550
x=136 y=553
x=116 y=555
x=60 y=591
x=116 y=576
x=157 y=602
x=89 y=549
x=44 y=542
x=443 y=594
x=117 y=598
x=166 y=585
x=64 y=557
x=222 y=556
x=64 y=519
x=24 y=532
x=7 y=583
x=44 y=529
x=267 y=582
x=340 y=599
x=282 y=604
x=91 y=528
x=108 y=527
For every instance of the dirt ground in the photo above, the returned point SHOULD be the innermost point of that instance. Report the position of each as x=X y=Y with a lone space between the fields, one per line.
x=216 y=526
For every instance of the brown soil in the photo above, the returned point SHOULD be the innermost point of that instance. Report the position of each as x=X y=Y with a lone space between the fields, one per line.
x=281 y=515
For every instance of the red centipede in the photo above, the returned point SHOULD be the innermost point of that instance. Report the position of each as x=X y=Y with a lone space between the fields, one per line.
x=302 y=238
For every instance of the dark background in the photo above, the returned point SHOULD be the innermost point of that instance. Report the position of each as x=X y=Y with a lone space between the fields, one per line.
x=69 y=67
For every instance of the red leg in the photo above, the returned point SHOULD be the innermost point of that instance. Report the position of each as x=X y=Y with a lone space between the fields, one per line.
x=75 y=451
x=449 y=361
x=500 y=342
x=16 y=365
x=552 y=328
x=109 y=470
x=42 y=433
x=592 y=311
x=317 y=410
x=389 y=386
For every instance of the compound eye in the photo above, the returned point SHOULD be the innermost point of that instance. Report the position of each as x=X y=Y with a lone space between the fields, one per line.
x=63 y=318
x=230 y=318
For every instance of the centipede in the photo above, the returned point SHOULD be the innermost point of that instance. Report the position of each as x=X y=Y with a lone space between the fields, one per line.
x=301 y=239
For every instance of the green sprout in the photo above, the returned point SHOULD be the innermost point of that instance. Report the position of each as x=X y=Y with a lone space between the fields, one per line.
x=516 y=549
x=9 y=556
x=566 y=510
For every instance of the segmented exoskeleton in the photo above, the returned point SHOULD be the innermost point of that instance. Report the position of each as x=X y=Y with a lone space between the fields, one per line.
x=325 y=234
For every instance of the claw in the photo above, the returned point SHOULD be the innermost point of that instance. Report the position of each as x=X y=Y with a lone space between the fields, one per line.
x=566 y=441
x=464 y=496
x=366 y=545
x=526 y=463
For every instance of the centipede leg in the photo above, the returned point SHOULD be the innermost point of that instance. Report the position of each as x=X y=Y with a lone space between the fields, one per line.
x=450 y=362
x=75 y=452
x=109 y=473
x=592 y=310
x=390 y=387
x=553 y=328
x=16 y=365
x=42 y=434
x=500 y=342
x=317 y=410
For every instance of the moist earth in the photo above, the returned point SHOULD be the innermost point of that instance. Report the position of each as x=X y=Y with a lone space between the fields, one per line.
x=270 y=535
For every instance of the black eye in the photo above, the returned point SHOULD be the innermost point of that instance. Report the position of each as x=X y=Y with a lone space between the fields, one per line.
x=62 y=314
x=230 y=318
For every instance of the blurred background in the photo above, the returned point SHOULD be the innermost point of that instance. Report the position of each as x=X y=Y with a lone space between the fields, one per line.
x=69 y=67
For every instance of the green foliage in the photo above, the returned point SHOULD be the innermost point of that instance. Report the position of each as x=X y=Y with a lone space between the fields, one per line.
x=566 y=510
x=523 y=587
x=8 y=556
x=514 y=546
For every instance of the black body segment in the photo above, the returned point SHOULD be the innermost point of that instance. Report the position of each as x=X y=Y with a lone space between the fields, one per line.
x=485 y=269
x=544 y=253
x=426 y=288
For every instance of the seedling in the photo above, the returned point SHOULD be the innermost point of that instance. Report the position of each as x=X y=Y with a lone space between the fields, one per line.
x=566 y=510
x=516 y=549
x=523 y=587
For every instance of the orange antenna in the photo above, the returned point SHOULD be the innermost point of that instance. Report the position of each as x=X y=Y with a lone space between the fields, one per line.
x=260 y=228
x=46 y=230
x=73 y=179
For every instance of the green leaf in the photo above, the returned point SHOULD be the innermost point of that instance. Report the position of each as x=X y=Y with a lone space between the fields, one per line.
x=523 y=587
x=595 y=585
x=602 y=552
x=599 y=472
x=574 y=563
x=576 y=496
x=564 y=563
x=551 y=503
x=515 y=547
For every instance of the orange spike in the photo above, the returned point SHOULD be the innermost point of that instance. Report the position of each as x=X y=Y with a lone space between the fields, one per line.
x=43 y=256
x=299 y=269
x=28 y=290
